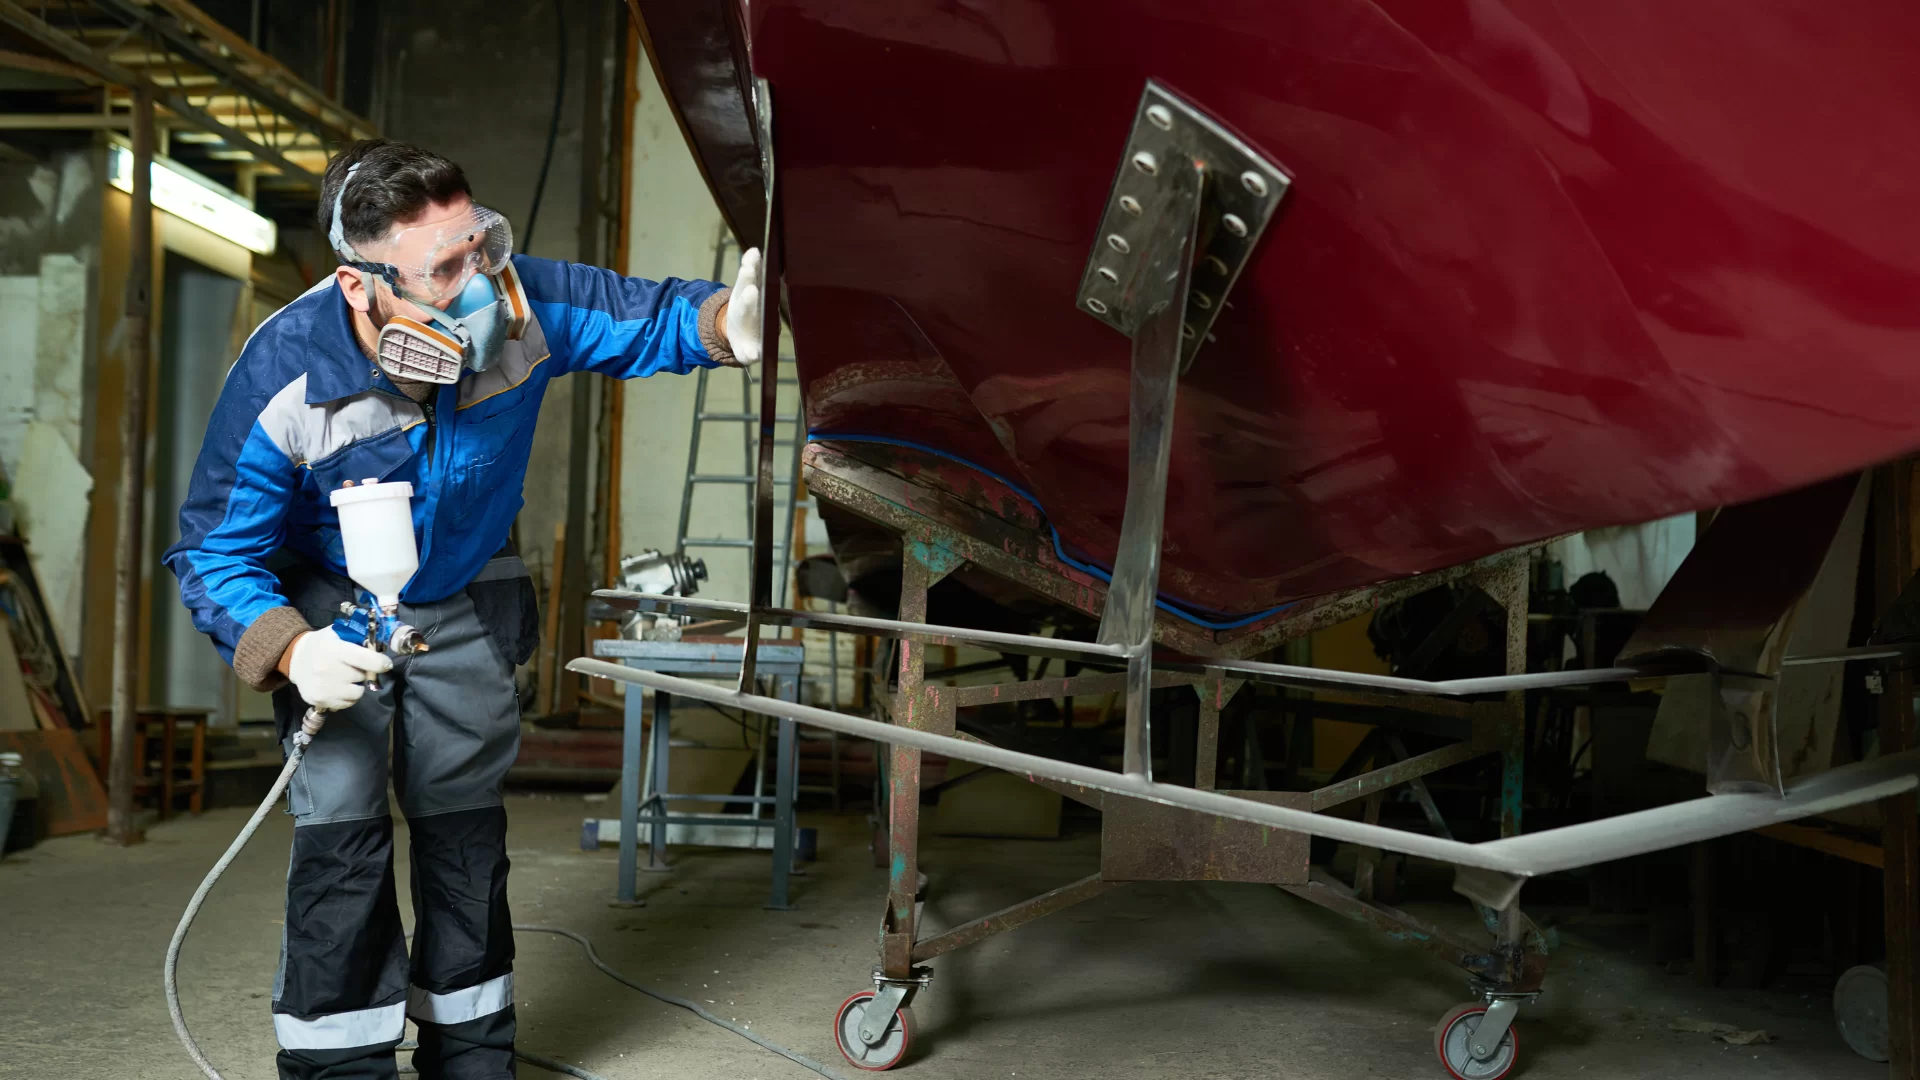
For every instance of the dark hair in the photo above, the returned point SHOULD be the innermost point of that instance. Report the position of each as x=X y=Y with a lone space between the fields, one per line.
x=395 y=182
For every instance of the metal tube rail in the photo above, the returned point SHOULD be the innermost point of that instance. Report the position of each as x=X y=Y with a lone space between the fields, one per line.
x=927 y=633
x=1251 y=670
x=1530 y=855
x=1087 y=651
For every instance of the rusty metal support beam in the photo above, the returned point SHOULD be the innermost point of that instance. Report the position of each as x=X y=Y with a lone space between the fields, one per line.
x=1079 y=793
x=921 y=567
x=1009 y=918
x=1369 y=857
x=12 y=14
x=1507 y=586
x=1214 y=694
x=1418 y=786
x=1324 y=891
x=968 y=697
x=1400 y=772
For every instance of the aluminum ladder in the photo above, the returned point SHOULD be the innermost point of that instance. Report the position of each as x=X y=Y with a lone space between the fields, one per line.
x=747 y=418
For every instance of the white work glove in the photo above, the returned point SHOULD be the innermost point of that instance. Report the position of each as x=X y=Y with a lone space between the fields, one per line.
x=743 y=311
x=329 y=672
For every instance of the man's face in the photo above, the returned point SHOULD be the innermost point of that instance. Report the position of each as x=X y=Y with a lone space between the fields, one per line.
x=435 y=253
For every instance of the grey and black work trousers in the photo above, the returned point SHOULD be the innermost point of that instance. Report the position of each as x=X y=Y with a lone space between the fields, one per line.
x=449 y=723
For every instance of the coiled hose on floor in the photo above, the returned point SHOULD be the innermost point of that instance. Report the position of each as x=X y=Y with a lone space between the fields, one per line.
x=301 y=739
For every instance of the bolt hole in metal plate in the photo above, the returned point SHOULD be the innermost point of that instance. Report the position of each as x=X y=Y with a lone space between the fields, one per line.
x=1242 y=190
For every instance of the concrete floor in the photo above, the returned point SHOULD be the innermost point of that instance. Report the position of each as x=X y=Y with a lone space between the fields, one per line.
x=1235 y=981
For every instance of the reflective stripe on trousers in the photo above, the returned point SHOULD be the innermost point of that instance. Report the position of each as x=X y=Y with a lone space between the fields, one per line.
x=342 y=1031
x=460 y=1006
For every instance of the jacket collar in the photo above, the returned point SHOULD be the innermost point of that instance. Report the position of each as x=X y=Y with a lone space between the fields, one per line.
x=336 y=368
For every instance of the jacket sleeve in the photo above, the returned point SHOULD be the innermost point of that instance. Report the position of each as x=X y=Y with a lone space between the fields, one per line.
x=595 y=320
x=233 y=519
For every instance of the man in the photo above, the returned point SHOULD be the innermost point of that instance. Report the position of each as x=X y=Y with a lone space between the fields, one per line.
x=422 y=358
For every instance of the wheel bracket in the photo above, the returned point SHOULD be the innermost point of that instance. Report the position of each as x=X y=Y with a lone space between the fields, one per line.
x=1484 y=1041
x=889 y=995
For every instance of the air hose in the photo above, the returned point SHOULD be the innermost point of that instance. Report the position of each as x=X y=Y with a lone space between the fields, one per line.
x=301 y=739
x=310 y=726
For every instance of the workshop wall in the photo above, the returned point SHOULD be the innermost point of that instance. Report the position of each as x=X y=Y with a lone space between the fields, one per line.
x=167 y=431
x=49 y=267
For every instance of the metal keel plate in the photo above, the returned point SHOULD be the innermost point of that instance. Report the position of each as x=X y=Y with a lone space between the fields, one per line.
x=1243 y=189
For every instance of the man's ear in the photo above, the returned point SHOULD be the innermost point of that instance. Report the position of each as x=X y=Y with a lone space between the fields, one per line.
x=353 y=285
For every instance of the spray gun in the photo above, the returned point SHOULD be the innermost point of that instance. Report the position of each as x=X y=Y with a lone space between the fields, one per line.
x=376 y=530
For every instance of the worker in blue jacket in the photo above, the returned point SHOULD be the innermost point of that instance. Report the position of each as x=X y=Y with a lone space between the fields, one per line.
x=423 y=358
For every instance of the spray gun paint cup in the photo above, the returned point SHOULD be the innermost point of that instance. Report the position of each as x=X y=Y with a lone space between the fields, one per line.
x=376 y=529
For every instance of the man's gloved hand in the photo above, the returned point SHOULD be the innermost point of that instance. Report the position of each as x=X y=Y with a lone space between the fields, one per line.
x=329 y=672
x=743 y=311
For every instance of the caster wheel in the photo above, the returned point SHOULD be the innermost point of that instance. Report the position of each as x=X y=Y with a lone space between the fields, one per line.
x=1452 y=1041
x=889 y=1052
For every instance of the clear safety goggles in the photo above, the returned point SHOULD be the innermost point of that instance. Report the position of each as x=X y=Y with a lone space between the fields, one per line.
x=432 y=263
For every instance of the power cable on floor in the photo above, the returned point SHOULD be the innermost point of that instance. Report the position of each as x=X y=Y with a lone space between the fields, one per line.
x=593 y=957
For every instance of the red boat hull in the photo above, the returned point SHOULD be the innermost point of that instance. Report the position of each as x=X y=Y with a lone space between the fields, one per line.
x=1543 y=267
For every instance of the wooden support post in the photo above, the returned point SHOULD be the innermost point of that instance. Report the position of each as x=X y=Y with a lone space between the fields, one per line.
x=127 y=547
x=1893 y=540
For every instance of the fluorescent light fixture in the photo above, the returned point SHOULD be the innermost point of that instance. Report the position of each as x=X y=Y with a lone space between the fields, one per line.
x=191 y=197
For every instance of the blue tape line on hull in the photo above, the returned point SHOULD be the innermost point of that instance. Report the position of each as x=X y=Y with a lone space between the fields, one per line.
x=1059 y=550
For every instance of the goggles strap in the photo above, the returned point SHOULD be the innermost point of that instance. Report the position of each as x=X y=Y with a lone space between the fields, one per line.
x=336 y=230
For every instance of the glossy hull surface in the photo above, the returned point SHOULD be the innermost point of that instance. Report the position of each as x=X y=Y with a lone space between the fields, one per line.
x=1543 y=267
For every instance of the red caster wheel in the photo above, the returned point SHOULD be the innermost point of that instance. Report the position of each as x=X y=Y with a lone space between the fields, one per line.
x=892 y=1048
x=1453 y=1041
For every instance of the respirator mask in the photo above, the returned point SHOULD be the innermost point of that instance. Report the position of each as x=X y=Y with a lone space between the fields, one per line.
x=456 y=275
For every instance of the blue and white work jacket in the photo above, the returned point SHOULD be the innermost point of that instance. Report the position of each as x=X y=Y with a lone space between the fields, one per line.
x=304 y=410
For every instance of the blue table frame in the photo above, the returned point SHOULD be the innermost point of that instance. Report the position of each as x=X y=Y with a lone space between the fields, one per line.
x=782 y=664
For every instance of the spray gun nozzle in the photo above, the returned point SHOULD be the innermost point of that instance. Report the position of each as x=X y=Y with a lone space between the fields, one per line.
x=404 y=640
